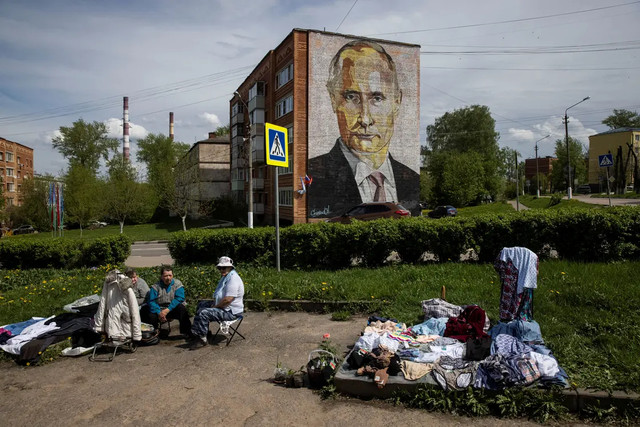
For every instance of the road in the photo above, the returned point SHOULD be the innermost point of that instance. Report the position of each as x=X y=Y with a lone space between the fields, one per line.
x=149 y=254
x=605 y=200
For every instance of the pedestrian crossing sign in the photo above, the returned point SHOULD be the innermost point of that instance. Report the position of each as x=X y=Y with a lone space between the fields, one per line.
x=605 y=160
x=276 y=145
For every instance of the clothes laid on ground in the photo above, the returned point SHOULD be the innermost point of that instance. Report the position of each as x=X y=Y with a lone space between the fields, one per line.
x=437 y=307
x=65 y=325
x=88 y=304
x=454 y=374
x=469 y=324
x=528 y=332
x=17 y=328
x=433 y=326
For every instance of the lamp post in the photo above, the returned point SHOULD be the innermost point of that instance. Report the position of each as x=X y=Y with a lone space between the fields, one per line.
x=566 y=137
x=538 y=173
x=250 y=211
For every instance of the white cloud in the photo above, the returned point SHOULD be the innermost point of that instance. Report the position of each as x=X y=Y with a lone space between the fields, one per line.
x=210 y=118
x=521 y=134
x=114 y=129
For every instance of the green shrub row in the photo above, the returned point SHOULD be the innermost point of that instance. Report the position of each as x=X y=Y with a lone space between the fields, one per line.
x=579 y=235
x=63 y=253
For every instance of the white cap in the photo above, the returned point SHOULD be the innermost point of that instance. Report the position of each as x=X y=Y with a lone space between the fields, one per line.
x=225 y=261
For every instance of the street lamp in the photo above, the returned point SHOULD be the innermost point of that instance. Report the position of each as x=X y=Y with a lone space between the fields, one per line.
x=566 y=137
x=250 y=211
x=538 y=173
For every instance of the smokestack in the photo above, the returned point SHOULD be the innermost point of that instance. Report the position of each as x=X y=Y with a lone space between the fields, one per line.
x=125 y=126
x=171 y=125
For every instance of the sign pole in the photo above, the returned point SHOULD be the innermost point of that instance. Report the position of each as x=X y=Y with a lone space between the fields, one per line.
x=275 y=169
x=608 y=191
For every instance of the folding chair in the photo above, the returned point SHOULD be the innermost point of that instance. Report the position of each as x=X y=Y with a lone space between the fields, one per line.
x=127 y=345
x=232 y=325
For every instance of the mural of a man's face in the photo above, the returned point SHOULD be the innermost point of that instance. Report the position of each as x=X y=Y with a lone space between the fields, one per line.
x=366 y=100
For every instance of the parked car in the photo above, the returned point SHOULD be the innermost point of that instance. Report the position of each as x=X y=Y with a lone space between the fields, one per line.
x=24 y=229
x=583 y=189
x=96 y=224
x=442 y=211
x=370 y=211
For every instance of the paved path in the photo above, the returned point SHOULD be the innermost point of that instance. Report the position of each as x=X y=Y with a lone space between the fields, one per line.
x=149 y=254
x=515 y=205
x=604 y=200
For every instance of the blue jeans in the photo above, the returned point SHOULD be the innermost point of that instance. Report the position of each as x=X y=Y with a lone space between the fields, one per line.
x=206 y=314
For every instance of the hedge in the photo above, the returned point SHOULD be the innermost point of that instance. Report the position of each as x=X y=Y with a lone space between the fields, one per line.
x=63 y=253
x=582 y=235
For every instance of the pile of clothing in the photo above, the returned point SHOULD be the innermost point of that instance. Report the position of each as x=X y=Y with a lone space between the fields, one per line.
x=455 y=349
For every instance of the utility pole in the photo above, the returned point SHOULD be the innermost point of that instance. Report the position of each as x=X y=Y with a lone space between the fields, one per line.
x=517 y=183
x=248 y=142
x=566 y=138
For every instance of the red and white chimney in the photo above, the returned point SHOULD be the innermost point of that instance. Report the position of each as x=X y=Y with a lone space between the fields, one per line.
x=125 y=126
x=171 y=125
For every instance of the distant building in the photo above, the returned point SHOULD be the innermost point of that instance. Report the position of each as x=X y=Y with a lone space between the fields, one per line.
x=302 y=85
x=203 y=173
x=16 y=165
x=608 y=142
x=545 y=166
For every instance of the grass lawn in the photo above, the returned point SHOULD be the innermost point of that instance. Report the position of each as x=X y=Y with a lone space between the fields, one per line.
x=495 y=208
x=532 y=202
x=137 y=232
x=589 y=313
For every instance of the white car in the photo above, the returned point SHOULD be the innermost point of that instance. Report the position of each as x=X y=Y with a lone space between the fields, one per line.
x=96 y=224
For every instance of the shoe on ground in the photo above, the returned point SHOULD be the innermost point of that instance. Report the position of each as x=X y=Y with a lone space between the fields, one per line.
x=196 y=344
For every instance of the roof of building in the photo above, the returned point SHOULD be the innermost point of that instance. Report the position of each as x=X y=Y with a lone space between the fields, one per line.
x=618 y=130
x=17 y=143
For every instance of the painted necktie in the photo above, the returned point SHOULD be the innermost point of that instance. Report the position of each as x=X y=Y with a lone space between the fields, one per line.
x=378 y=179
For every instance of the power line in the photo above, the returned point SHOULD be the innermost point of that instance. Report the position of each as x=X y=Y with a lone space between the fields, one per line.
x=531 y=69
x=509 y=21
x=345 y=16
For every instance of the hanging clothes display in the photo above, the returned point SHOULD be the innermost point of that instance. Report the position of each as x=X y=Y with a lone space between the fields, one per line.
x=118 y=315
x=518 y=271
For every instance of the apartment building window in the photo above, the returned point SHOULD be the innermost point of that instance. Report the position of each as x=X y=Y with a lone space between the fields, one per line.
x=9 y=171
x=18 y=159
x=637 y=137
x=237 y=108
x=18 y=174
x=256 y=90
x=10 y=187
x=9 y=202
x=285 y=194
x=1 y=156
x=284 y=106
x=19 y=188
x=284 y=76
x=9 y=156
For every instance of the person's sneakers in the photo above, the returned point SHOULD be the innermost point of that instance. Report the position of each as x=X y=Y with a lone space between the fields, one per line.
x=196 y=344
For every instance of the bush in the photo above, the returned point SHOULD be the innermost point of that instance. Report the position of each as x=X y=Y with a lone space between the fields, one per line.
x=59 y=252
x=579 y=234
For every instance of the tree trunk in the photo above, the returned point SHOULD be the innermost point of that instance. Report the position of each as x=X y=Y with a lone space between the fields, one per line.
x=184 y=222
x=80 y=229
x=121 y=226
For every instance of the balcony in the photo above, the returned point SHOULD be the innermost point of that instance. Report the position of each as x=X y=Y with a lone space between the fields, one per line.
x=256 y=102
x=258 y=184
x=257 y=154
x=258 y=208
x=237 y=185
x=237 y=118
x=257 y=129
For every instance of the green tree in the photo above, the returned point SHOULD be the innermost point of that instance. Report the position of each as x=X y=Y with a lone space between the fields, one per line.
x=124 y=197
x=460 y=178
x=466 y=130
x=622 y=119
x=577 y=156
x=222 y=130
x=85 y=143
x=161 y=155
x=34 y=210
x=81 y=188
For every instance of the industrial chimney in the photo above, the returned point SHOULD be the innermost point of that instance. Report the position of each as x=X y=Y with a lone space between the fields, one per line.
x=125 y=126
x=171 y=125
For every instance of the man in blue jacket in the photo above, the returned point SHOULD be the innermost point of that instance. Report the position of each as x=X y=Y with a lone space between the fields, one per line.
x=166 y=302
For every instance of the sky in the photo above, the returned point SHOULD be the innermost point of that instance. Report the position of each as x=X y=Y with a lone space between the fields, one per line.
x=527 y=61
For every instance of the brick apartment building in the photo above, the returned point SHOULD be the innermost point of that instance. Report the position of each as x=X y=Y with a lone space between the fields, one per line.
x=203 y=173
x=544 y=165
x=290 y=88
x=16 y=164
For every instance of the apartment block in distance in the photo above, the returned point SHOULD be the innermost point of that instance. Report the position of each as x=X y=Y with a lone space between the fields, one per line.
x=16 y=164
x=351 y=106
x=544 y=167
x=609 y=142
x=203 y=173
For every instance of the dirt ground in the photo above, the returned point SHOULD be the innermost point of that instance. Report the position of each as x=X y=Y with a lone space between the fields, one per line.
x=216 y=385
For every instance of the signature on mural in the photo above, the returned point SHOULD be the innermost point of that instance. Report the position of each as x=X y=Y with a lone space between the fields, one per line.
x=320 y=212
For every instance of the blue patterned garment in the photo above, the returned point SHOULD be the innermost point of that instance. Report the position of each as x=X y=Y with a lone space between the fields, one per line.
x=507 y=345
